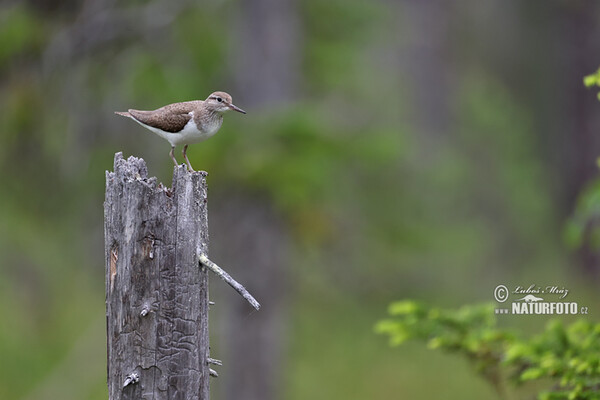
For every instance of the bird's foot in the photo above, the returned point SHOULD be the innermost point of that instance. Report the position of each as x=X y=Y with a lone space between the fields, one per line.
x=189 y=167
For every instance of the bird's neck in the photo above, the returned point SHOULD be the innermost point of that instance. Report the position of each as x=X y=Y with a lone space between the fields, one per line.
x=210 y=120
x=210 y=115
x=214 y=117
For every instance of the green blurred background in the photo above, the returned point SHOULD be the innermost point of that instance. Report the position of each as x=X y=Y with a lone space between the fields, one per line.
x=392 y=149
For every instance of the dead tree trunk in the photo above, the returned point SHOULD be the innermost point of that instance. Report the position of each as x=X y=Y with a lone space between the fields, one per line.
x=156 y=294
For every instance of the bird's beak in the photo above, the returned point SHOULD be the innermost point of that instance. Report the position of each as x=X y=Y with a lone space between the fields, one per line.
x=236 y=108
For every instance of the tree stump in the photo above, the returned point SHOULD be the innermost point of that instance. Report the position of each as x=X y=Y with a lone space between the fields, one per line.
x=156 y=293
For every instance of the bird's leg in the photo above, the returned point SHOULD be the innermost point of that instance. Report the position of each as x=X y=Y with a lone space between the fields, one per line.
x=173 y=156
x=186 y=159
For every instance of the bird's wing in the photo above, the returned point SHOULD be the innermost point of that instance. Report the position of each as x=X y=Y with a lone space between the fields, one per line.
x=171 y=118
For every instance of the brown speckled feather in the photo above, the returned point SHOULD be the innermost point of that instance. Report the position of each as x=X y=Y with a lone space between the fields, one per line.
x=170 y=118
x=174 y=121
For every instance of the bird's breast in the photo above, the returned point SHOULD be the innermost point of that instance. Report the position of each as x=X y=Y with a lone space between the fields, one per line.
x=212 y=126
x=195 y=131
x=208 y=124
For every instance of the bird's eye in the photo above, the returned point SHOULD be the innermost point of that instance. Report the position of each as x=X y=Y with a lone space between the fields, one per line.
x=219 y=99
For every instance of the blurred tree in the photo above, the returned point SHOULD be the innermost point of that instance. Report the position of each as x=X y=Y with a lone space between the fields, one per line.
x=580 y=118
x=266 y=52
x=425 y=53
x=251 y=239
x=249 y=235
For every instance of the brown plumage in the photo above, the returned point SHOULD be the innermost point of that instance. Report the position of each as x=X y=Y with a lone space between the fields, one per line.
x=187 y=122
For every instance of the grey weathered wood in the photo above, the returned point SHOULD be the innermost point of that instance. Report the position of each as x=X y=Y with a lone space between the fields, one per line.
x=156 y=294
x=221 y=273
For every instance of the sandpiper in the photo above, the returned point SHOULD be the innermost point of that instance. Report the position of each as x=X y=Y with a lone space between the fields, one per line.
x=187 y=122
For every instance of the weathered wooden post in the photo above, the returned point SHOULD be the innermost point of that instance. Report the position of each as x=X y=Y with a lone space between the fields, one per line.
x=156 y=293
x=156 y=244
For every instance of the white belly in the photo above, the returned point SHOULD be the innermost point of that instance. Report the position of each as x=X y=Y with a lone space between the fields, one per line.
x=188 y=135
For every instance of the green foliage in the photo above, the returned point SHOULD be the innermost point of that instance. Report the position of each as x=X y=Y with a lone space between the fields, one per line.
x=582 y=228
x=19 y=33
x=564 y=358
x=593 y=80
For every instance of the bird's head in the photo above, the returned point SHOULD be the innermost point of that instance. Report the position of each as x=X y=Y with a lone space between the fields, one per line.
x=221 y=102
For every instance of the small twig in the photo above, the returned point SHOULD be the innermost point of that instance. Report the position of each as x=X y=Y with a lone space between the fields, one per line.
x=131 y=379
x=212 y=372
x=214 y=361
x=227 y=278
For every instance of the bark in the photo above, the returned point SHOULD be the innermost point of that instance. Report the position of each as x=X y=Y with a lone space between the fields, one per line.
x=156 y=294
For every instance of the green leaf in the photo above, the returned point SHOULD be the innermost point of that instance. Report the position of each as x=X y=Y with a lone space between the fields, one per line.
x=590 y=80
x=403 y=307
x=593 y=80
x=532 y=374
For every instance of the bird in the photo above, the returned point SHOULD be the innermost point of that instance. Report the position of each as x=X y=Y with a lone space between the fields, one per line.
x=187 y=122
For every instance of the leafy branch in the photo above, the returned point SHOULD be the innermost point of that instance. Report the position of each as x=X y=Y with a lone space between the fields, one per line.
x=566 y=358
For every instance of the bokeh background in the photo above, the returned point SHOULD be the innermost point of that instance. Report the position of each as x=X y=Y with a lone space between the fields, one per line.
x=392 y=149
